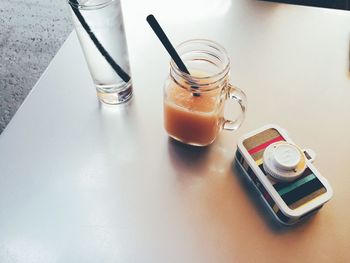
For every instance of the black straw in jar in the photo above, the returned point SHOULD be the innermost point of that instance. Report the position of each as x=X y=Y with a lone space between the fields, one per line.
x=152 y=21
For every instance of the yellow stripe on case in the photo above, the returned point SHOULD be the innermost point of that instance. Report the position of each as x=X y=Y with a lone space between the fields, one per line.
x=275 y=208
x=258 y=162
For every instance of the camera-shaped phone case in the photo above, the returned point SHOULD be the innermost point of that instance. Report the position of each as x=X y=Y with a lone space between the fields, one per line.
x=289 y=201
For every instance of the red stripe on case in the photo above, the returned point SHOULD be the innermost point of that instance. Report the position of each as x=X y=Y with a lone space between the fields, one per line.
x=264 y=145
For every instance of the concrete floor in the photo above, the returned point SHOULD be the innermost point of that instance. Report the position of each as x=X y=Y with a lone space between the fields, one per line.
x=31 y=32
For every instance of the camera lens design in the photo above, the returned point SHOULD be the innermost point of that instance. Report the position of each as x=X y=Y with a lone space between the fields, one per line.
x=284 y=161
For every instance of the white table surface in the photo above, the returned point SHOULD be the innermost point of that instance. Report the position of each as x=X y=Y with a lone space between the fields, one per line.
x=85 y=183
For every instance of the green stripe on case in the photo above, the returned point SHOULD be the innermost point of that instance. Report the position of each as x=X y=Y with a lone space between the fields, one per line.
x=296 y=184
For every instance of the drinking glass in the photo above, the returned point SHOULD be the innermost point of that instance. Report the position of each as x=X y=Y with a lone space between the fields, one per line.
x=100 y=29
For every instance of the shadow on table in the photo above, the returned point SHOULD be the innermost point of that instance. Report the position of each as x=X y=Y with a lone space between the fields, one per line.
x=260 y=206
x=118 y=125
x=122 y=117
x=126 y=108
x=187 y=159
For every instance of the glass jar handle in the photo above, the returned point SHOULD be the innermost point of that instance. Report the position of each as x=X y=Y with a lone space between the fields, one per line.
x=238 y=95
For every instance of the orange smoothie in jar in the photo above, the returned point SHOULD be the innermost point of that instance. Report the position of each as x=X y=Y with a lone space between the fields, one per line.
x=195 y=97
x=192 y=119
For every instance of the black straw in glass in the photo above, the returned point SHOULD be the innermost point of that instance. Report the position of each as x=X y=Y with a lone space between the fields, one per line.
x=121 y=73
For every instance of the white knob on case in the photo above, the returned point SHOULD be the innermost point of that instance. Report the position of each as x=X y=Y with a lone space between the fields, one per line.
x=286 y=156
x=284 y=161
x=310 y=154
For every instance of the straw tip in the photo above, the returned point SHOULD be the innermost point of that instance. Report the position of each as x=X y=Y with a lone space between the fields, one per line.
x=150 y=17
